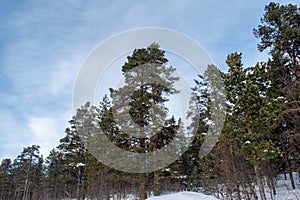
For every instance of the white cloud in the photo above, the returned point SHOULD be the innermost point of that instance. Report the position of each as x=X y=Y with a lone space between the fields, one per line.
x=44 y=43
x=46 y=132
x=13 y=133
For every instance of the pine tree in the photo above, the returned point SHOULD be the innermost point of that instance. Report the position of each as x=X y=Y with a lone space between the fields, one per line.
x=279 y=32
x=115 y=182
x=148 y=81
x=251 y=114
x=26 y=174
x=199 y=112
x=55 y=175
x=74 y=155
x=207 y=110
x=67 y=162
x=5 y=179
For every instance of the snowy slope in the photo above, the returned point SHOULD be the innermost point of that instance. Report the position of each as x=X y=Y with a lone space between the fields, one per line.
x=184 y=196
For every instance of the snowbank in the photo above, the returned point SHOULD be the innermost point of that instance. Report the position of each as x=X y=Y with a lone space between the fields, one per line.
x=184 y=196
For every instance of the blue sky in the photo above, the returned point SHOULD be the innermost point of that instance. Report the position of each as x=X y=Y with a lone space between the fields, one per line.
x=44 y=43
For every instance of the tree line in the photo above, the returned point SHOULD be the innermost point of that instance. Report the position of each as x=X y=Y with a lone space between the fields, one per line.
x=260 y=138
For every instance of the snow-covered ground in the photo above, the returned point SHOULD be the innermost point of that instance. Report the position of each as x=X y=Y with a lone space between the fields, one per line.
x=184 y=196
x=283 y=188
x=177 y=196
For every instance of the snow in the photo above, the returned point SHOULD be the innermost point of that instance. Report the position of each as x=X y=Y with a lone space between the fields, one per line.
x=283 y=188
x=184 y=196
x=80 y=165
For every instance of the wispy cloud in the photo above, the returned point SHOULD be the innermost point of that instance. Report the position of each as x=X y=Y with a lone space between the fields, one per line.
x=45 y=131
x=44 y=43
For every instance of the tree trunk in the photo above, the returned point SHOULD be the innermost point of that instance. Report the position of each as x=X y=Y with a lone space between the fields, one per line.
x=292 y=180
x=26 y=186
x=259 y=182
x=271 y=181
x=236 y=180
x=270 y=185
x=107 y=193
x=25 y=189
x=257 y=170
x=78 y=183
x=156 y=181
x=273 y=186
x=142 y=189
x=156 y=184
x=238 y=192
x=142 y=195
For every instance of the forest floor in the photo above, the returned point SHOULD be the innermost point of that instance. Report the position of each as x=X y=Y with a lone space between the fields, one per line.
x=283 y=188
